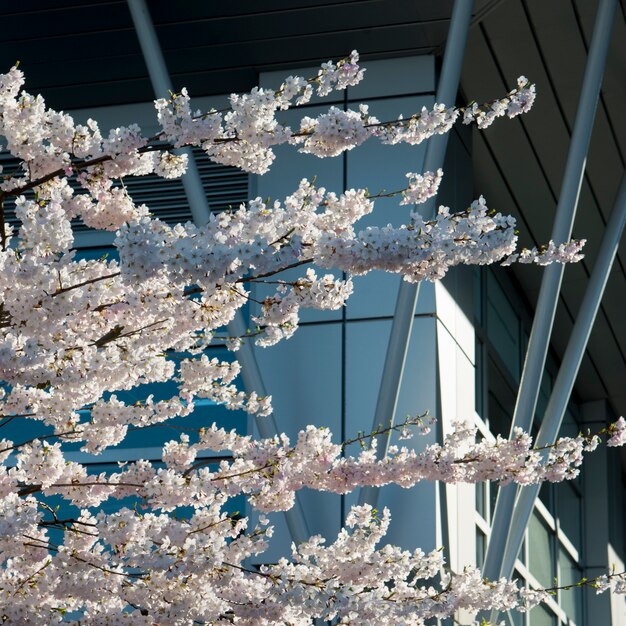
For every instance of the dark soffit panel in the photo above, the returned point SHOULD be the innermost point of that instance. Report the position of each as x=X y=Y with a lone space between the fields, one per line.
x=548 y=42
x=83 y=54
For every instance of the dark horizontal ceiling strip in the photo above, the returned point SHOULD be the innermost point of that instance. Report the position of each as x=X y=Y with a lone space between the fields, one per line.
x=94 y=20
x=264 y=67
x=213 y=50
x=529 y=230
x=358 y=28
x=42 y=38
x=66 y=7
x=166 y=11
x=293 y=9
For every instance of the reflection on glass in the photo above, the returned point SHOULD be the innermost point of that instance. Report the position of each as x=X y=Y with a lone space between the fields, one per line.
x=481 y=543
x=546 y=496
x=481 y=500
x=571 y=599
x=503 y=327
x=540 y=616
x=569 y=506
x=501 y=400
x=540 y=556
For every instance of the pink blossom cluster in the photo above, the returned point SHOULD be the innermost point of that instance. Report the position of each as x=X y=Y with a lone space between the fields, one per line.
x=519 y=101
x=271 y=471
x=180 y=570
x=75 y=334
x=144 y=568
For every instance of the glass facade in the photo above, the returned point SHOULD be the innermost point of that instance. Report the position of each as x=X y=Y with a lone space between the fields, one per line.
x=552 y=551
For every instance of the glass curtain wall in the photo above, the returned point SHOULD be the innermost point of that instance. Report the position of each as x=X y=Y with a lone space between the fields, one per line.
x=552 y=549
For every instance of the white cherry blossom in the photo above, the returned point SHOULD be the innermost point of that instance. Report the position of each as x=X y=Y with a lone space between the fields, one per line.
x=76 y=334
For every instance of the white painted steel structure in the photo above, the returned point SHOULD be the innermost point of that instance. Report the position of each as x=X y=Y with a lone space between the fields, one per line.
x=545 y=311
x=564 y=383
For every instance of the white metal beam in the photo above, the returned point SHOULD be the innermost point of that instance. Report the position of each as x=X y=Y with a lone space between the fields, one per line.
x=553 y=274
x=404 y=312
x=564 y=383
x=200 y=210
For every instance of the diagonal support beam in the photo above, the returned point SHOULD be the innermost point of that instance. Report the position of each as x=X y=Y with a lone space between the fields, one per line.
x=407 y=294
x=553 y=274
x=570 y=365
x=200 y=210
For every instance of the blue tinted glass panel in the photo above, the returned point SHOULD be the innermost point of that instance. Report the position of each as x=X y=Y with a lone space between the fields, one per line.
x=503 y=326
x=540 y=551
x=570 y=512
x=570 y=599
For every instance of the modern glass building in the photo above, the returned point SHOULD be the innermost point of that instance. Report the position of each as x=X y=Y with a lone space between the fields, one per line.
x=474 y=339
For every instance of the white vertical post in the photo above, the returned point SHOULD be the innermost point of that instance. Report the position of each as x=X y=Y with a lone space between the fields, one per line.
x=403 y=316
x=553 y=274
x=194 y=191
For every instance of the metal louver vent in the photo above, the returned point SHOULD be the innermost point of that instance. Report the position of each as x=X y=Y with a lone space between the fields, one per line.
x=224 y=186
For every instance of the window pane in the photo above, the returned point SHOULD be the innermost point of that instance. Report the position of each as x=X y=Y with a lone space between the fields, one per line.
x=546 y=494
x=501 y=401
x=478 y=293
x=479 y=379
x=481 y=542
x=503 y=326
x=540 y=616
x=481 y=500
x=540 y=551
x=570 y=426
x=571 y=599
x=545 y=390
x=522 y=552
x=493 y=496
x=569 y=511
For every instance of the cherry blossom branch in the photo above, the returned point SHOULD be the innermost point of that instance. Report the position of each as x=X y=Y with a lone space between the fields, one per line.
x=471 y=113
x=90 y=281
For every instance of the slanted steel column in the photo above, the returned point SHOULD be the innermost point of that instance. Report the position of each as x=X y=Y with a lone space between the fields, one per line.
x=564 y=383
x=200 y=210
x=407 y=294
x=162 y=86
x=553 y=274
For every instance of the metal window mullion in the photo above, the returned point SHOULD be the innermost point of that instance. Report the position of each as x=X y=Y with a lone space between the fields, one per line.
x=553 y=274
x=404 y=312
x=194 y=190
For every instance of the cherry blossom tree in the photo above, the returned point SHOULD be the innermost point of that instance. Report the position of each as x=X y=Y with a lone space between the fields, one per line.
x=76 y=332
